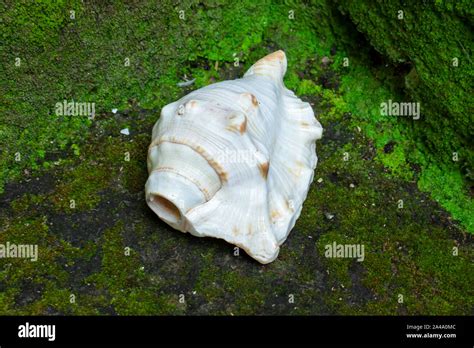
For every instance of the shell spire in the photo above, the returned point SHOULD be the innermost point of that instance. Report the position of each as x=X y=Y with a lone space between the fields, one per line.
x=234 y=160
x=273 y=65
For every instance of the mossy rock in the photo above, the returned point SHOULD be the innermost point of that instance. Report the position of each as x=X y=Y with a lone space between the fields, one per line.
x=434 y=40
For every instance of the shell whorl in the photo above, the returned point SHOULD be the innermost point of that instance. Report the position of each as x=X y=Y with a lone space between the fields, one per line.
x=234 y=160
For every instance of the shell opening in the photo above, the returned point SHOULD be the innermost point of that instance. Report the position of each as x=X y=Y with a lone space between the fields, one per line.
x=180 y=180
x=166 y=209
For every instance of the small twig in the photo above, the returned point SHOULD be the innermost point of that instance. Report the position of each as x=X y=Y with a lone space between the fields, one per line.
x=465 y=52
x=185 y=83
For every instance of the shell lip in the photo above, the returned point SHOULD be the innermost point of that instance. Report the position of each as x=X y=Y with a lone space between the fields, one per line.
x=170 y=196
x=165 y=209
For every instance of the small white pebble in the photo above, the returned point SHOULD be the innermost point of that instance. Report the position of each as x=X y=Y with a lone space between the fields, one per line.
x=329 y=216
x=114 y=111
x=310 y=237
x=325 y=60
x=351 y=185
x=125 y=131
x=194 y=292
x=320 y=180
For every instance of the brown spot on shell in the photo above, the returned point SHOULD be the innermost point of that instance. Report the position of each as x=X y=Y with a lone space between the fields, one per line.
x=264 y=167
x=305 y=124
x=218 y=168
x=254 y=100
x=241 y=128
x=213 y=163
x=278 y=55
x=275 y=214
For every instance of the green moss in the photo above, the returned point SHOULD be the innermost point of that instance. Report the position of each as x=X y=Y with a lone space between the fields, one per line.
x=446 y=186
x=134 y=172
x=80 y=188
x=24 y=275
x=396 y=162
x=124 y=279
x=206 y=282
x=403 y=254
x=26 y=201
x=238 y=292
x=338 y=268
x=38 y=24
x=428 y=38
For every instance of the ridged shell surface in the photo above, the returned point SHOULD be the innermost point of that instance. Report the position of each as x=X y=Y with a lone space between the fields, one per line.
x=234 y=160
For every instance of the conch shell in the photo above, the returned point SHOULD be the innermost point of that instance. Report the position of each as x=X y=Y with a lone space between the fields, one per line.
x=234 y=160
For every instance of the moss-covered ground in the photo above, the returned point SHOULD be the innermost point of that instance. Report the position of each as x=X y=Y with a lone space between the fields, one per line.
x=76 y=189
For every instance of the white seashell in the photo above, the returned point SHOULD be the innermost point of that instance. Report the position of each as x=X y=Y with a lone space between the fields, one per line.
x=234 y=160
